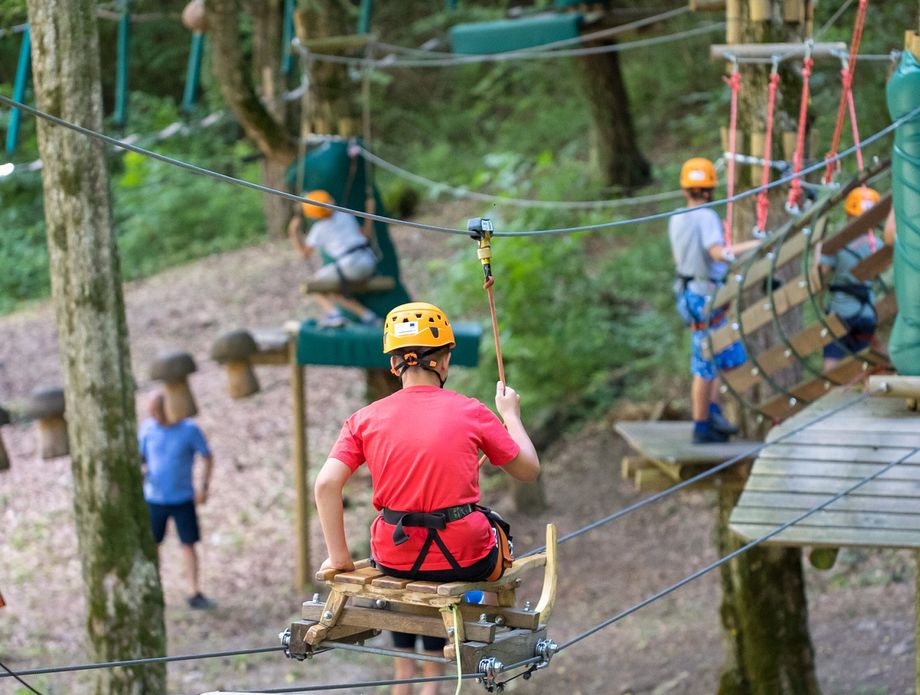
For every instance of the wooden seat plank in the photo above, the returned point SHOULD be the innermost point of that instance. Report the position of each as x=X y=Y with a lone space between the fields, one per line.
x=509 y=578
x=374 y=284
x=386 y=582
x=372 y=618
x=873 y=266
x=872 y=217
x=359 y=576
x=327 y=575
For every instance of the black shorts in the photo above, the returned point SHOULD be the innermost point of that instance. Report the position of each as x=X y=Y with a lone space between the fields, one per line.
x=406 y=640
x=183 y=515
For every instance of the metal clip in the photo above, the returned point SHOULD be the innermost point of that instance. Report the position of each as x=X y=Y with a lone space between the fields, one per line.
x=480 y=229
x=490 y=667
x=545 y=649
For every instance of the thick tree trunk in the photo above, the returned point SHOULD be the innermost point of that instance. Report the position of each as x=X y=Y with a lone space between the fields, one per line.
x=118 y=556
x=764 y=607
x=765 y=618
x=620 y=160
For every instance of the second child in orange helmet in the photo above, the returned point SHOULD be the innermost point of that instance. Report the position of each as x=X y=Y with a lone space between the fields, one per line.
x=337 y=235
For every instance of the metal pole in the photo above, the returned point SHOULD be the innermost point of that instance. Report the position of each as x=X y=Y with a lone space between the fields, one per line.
x=287 y=34
x=121 y=75
x=301 y=502
x=19 y=89
x=364 y=17
x=193 y=72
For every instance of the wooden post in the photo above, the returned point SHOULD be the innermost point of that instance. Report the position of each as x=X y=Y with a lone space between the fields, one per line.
x=301 y=499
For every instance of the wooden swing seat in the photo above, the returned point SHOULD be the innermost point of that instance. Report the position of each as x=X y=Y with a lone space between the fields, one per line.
x=375 y=284
x=364 y=601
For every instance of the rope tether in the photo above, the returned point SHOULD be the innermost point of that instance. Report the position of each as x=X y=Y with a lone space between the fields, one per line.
x=845 y=95
x=794 y=203
x=854 y=124
x=734 y=82
x=763 y=199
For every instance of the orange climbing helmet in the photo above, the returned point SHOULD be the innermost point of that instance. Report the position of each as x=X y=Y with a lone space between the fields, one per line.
x=698 y=172
x=316 y=212
x=417 y=324
x=861 y=199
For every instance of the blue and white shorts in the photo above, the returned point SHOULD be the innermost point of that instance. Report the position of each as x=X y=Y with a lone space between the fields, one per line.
x=692 y=309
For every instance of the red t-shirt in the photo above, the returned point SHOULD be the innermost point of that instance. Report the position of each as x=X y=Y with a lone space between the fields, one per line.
x=422 y=447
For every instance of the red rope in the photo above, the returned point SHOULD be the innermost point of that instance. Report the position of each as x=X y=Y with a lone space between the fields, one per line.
x=847 y=86
x=795 y=190
x=763 y=199
x=735 y=83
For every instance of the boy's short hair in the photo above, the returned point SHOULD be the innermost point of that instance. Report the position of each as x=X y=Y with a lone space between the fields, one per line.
x=700 y=193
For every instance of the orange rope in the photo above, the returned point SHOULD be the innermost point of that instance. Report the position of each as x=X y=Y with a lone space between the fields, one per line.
x=794 y=202
x=847 y=86
x=734 y=82
x=763 y=198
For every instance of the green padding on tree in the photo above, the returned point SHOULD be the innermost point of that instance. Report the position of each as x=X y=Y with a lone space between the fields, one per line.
x=513 y=34
x=356 y=345
x=329 y=167
x=904 y=97
x=561 y=4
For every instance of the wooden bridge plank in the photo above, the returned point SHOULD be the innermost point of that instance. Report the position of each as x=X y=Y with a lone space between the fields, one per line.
x=671 y=442
x=834 y=469
x=873 y=266
x=856 y=537
x=819 y=435
x=872 y=217
x=802 y=501
x=831 y=486
x=829 y=519
x=798 y=453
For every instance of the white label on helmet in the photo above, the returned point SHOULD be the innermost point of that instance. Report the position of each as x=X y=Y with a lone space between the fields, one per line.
x=405 y=328
x=696 y=175
x=866 y=204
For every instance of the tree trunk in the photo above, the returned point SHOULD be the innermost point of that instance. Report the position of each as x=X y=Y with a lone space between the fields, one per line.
x=620 y=160
x=765 y=618
x=118 y=555
x=764 y=608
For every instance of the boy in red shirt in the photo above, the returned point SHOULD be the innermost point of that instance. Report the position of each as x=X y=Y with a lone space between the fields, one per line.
x=422 y=446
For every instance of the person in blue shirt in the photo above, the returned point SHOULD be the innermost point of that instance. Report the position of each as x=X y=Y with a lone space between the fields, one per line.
x=168 y=451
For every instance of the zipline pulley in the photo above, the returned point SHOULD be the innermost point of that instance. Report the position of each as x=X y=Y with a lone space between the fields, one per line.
x=480 y=229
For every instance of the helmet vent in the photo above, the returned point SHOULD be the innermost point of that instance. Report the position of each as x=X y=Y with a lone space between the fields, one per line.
x=418 y=316
x=434 y=331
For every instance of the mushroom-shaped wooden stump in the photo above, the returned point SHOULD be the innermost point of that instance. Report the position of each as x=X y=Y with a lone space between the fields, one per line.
x=234 y=350
x=4 y=457
x=47 y=406
x=173 y=370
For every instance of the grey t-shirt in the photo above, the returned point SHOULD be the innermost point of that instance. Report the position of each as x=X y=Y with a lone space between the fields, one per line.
x=336 y=235
x=692 y=234
x=846 y=306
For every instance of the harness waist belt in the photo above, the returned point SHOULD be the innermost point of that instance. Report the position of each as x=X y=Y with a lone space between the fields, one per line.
x=437 y=519
x=359 y=247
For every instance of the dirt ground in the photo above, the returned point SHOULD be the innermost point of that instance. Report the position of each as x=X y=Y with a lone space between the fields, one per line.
x=861 y=612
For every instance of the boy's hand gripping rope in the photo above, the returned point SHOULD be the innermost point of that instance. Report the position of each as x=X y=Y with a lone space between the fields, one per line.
x=734 y=82
x=846 y=95
x=763 y=198
x=794 y=202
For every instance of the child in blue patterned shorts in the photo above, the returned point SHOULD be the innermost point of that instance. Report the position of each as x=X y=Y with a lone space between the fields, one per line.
x=700 y=255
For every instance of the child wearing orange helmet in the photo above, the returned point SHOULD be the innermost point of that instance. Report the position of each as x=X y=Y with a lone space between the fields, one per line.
x=422 y=445
x=850 y=299
x=700 y=257
x=338 y=235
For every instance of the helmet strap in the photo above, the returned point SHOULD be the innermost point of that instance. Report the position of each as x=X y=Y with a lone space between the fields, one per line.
x=418 y=358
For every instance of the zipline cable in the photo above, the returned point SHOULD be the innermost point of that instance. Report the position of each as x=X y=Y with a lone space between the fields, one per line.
x=10 y=673
x=700 y=476
x=140 y=662
x=438 y=228
x=735 y=553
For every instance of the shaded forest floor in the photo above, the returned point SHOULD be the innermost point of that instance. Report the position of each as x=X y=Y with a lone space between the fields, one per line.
x=861 y=611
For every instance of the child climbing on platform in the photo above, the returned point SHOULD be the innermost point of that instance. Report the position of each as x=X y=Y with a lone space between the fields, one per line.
x=701 y=257
x=421 y=445
x=850 y=299
x=337 y=235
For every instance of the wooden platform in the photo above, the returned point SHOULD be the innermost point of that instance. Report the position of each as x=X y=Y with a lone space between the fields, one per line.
x=667 y=454
x=813 y=465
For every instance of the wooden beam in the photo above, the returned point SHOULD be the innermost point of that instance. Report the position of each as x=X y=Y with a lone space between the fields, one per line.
x=912 y=44
x=765 y=51
x=894 y=386
x=301 y=501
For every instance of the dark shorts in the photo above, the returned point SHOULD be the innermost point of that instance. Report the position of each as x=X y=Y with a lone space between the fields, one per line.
x=858 y=337
x=476 y=572
x=406 y=640
x=183 y=515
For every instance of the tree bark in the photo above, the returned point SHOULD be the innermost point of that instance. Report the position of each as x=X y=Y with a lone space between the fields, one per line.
x=764 y=617
x=117 y=552
x=620 y=160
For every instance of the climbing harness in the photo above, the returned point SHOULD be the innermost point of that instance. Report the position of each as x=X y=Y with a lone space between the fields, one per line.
x=796 y=198
x=845 y=95
x=763 y=198
x=734 y=82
